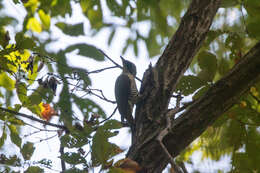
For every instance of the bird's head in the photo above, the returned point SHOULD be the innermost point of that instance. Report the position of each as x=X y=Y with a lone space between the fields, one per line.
x=128 y=67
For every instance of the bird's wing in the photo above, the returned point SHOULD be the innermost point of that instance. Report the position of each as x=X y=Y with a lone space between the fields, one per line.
x=122 y=93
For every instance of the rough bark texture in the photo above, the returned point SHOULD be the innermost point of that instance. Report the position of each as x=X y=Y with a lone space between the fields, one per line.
x=160 y=81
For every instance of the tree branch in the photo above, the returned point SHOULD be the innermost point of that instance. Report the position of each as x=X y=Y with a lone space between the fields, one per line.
x=170 y=115
x=160 y=81
x=116 y=64
x=204 y=111
x=33 y=118
x=218 y=99
x=63 y=165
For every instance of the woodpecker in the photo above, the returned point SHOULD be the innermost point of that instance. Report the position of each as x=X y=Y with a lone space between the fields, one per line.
x=126 y=92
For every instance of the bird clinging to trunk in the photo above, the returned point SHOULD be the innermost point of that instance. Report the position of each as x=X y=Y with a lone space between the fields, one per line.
x=126 y=92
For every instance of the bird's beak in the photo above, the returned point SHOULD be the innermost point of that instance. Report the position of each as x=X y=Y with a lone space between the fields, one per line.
x=122 y=59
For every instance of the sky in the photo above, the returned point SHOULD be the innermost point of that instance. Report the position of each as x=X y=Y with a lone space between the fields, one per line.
x=105 y=81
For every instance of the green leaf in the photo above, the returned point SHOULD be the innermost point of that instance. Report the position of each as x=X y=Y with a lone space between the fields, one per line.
x=71 y=141
x=252 y=7
x=16 y=1
x=113 y=7
x=126 y=46
x=152 y=45
x=102 y=150
x=112 y=124
x=229 y=3
x=15 y=121
x=208 y=64
x=242 y=162
x=27 y=150
x=253 y=27
x=135 y=48
x=66 y=106
x=15 y=138
x=23 y=42
x=185 y=154
x=39 y=94
x=31 y=6
x=67 y=141
x=73 y=30
x=34 y=25
x=33 y=169
x=21 y=90
x=4 y=37
x=6 y=20
x=5 y=63
x=212 y=35
x=45 y=19
x=36 y=109
x=60 y=8
x=45 y=162
x=201 y=92
x=87 y=50
x=111 y=36
x=223 y=66
x=83 y=76
x=11 y=160
x=95 y=17
x=74 y=170
x=3 y=137
x=6 y=81
x=207 y=60
x=1 y=95
x=188 y=84
x=205 y=75
x=73 y=158
x=234 y=42
x=17 y=107
x=88 y=106
x=85 y=5
x=32 y=75
x=253 y=147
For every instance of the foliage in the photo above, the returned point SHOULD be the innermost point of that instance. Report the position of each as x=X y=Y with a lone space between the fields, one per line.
x=24 y=53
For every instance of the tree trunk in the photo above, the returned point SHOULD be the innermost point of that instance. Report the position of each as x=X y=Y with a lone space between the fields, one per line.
x=160 y=81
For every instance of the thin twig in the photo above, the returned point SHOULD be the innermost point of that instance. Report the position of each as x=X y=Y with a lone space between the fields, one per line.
x=170 y=114
x=137 y=78
x=47 y=138
x=110 y=59
x=32 y=133
x=76 y=85
x=39 y=130
x=183 y=167
x=101 y=97
x=63 y=165
x=102 y=94
x=33 y=118
x=35 y=132
x=109 y=116
x=88 y=90
x=100 y=70
x=160 y=137
x=117 y=65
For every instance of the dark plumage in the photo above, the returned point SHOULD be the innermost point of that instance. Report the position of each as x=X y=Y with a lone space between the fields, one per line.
x=126 y=92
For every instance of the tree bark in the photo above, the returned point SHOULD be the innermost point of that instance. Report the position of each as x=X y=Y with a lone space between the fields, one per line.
x=160 y=81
